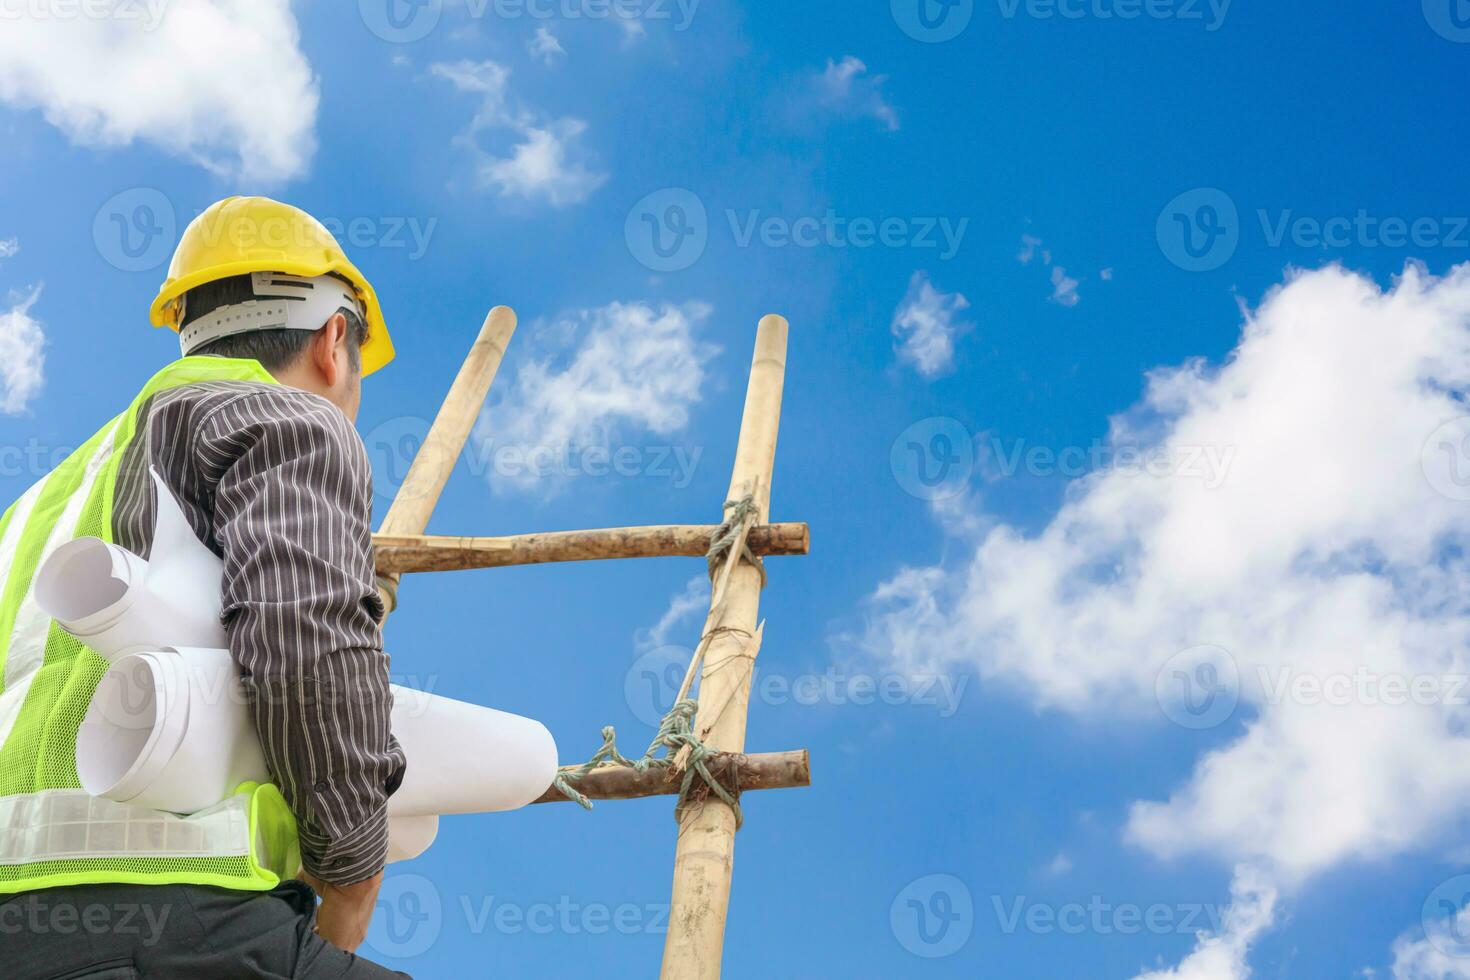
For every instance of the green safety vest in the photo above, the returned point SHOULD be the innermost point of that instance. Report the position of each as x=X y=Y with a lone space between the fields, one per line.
x=52 y=832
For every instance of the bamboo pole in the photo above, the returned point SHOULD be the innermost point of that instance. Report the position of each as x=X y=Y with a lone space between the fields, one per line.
x=704 y=860
x=401 y=553
x=432 y=464
x=767 y=770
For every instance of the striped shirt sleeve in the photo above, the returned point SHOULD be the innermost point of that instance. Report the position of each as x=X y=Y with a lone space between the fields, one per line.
x=292 y=512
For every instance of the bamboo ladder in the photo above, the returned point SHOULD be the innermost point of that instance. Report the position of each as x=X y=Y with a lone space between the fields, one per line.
x=705 y=853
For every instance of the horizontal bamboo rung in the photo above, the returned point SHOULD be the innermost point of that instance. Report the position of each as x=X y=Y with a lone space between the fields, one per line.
x=766 y=770
x=401 y=553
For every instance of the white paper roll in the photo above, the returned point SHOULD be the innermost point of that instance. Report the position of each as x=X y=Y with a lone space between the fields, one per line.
x=169 y=729
x=463 y=758
x=117 y=603
x=408 y=837
x=200 y=742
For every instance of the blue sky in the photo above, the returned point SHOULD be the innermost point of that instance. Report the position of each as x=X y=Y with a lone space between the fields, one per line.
x=1018 y=249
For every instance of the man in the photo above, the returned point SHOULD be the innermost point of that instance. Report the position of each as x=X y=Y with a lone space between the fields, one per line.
x=252 y=430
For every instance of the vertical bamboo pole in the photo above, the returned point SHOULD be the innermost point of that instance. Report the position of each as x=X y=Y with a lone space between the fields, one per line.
x=705 y=856
x=432 y=464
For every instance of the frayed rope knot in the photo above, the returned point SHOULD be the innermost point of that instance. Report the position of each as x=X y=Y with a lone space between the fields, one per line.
x=675 y=732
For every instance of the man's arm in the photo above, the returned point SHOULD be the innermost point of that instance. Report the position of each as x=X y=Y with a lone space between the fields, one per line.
x=292 y=513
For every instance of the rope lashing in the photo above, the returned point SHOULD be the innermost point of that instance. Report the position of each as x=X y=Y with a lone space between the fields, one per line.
x=740 y=511
x=675 y=732
x=676 y=729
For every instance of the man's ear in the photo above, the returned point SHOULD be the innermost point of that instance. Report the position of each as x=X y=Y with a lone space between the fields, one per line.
x=324 y=348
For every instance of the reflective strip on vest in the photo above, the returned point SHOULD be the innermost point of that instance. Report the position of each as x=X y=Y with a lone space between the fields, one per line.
x=68 y=824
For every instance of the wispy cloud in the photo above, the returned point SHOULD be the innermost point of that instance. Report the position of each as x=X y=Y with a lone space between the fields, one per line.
x=846 y=89
x=22 y=353
x=546 y=161
x=544 y=47
x=926 y=325
x=1222 y=955
x=1063 y=287
x=9 y=247
x=603 y=375
x=101 y=80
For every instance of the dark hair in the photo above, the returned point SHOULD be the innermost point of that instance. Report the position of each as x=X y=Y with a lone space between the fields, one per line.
x=274 y=349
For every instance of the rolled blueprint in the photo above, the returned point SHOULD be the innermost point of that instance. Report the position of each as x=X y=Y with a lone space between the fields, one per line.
x=117 y=603
x=170 y=729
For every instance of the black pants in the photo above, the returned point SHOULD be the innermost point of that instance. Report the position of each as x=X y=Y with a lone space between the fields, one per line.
x=142 y=932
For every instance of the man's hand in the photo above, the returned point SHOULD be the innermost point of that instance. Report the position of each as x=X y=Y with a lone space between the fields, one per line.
x=346 y=910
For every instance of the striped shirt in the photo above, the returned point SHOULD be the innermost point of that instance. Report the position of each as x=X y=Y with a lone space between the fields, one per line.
x=276 y=481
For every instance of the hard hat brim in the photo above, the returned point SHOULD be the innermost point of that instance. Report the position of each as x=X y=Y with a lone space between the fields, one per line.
x=376 y=352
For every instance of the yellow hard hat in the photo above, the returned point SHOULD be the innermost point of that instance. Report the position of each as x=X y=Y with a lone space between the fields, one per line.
x=241 y=235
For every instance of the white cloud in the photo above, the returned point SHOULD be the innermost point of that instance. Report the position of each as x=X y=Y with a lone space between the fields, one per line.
x=544 y=47
x=1222 y=956
x=1059 y=865
x=683 y=607
x=846 y=88
x=1330 y=544
x=617 y=369
x=1430 y=956
x=1063 y=287
x=222 y=83
x=926 y=325
x=9 y=247
x=547 y=162
x=22 y=354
